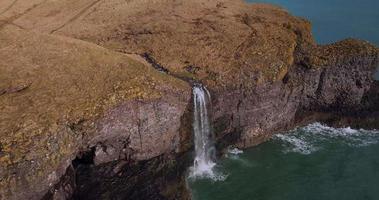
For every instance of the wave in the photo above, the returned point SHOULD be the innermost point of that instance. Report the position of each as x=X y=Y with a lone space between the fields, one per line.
x=311 y=138
x=296 y=144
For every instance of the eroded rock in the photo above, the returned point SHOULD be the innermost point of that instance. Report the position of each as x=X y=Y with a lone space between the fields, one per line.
x=117 y=120
x=82 y=96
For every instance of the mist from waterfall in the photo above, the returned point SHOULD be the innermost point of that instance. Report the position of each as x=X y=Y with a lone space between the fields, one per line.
x=205 y=152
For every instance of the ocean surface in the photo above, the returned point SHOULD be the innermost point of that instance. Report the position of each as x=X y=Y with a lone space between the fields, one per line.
x=334 y=20
x=315 y=162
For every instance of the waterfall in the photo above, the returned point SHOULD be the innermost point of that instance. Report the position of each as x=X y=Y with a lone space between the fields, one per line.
x=203 y=135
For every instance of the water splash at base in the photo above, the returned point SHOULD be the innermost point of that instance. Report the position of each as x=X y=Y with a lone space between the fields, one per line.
x=205 y=152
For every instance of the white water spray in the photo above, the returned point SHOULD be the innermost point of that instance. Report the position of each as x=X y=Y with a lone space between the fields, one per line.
x=204 y=146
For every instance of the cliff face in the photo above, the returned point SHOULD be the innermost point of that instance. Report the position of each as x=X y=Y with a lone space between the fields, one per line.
x=338 y=86
x=260 y=63
x=84 y=115
x=60 y=97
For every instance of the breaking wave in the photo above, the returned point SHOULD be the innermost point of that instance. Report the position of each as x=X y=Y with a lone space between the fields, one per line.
x=311 y=138
x=295 y=144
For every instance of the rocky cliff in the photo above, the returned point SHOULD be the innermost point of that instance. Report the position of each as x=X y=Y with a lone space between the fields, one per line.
x=96 y=98
x=60 y=97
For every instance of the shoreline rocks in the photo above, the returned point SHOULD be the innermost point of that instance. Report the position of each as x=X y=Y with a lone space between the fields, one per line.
x=83 y=116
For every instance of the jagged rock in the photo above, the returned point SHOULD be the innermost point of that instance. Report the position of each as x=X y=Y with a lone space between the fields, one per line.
x=81 y=96
x=260 y=63
x=123 y=121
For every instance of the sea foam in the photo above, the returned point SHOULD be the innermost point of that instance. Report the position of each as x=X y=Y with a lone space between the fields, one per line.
x=309 y=139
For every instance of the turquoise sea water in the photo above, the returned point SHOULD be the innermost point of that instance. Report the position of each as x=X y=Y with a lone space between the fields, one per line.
x=315 y=162
x=334 y=20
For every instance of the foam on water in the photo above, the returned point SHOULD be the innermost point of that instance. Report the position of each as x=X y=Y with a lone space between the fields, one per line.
x=234 y=154
x=235 y=151
x=308 y=139
x=203 y=170
x=295 y=144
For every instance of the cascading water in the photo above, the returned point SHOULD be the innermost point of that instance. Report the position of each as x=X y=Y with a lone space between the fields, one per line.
x=204 y=145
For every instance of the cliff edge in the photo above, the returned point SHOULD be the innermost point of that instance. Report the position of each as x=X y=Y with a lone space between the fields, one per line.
x=95 y=96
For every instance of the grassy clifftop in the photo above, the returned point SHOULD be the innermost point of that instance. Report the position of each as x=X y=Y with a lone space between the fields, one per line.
x=49 y=83
x=67 y=62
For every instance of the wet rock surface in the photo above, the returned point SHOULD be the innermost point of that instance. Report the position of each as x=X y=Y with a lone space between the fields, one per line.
x=95 y=97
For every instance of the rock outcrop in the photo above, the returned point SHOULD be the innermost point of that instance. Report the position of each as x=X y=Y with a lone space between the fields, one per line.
x=83 y=115
x=62 y=96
